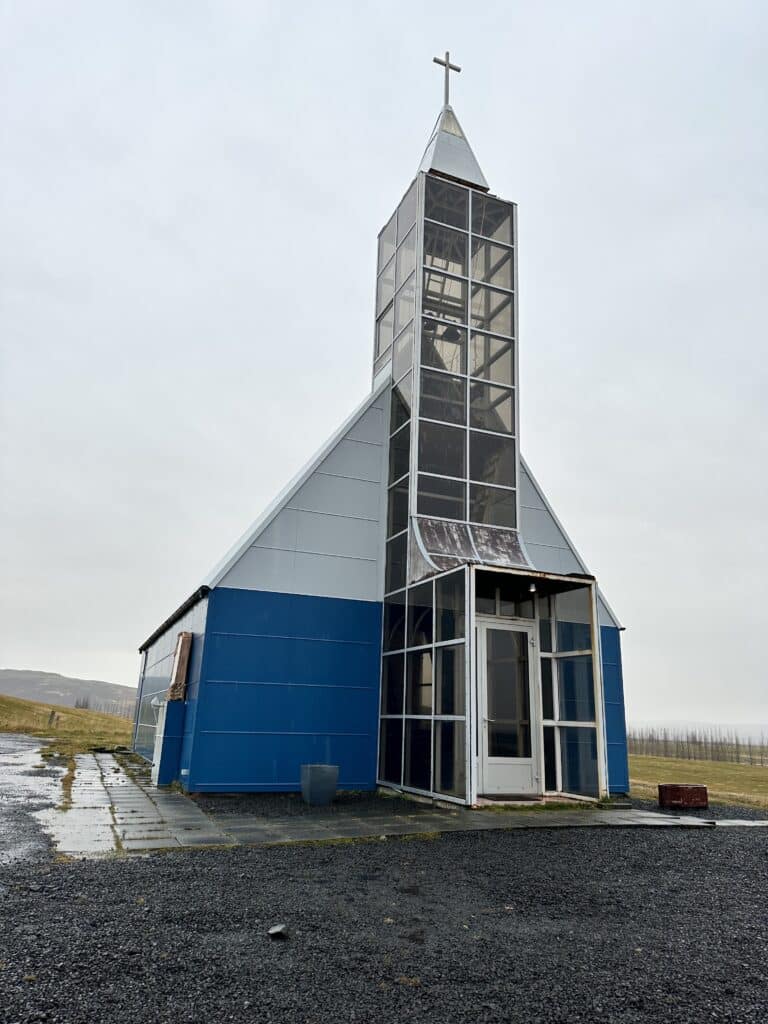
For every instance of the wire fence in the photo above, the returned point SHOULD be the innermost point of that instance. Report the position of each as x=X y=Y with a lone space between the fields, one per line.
x=120 y=708
x=699 y=745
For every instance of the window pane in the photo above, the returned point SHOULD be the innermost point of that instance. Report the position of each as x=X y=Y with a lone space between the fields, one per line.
x=578 y=755
x=547 y=699
x=394 y=571
x=402 y=355
x=449 y=610
x=387 y=243
x=400 y=412
x=418 y=754
x=392 y=684
x=418 y=689
x=492 y=506
x=450 y=759
x=385 y=286
x=420 y=615
x=391 y=750
x=444 y=297
x=491 y=218
x=576 y=689
x=442 y=449
x=405 y=304
x=449 y=680
x=492 y=310
x=492 y=408
x=492 y=358
x=443 y=346
x=574 y=615
x=485 y=593
x=509 y=723
x=406 y=257
x=399 y=453
x=492 y=459
x=406 y=213
x=440 y=497
x=550 y=772
x=492 y=264
x=394 y=622
x=445 y=249
x=443 y=397
x=384 y=330
x=397 y=508
x=446 y=203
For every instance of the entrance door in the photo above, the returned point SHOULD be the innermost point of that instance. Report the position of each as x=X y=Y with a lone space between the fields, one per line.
x=508 y=739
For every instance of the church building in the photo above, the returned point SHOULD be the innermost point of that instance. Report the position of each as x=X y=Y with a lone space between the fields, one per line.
x=409 y=608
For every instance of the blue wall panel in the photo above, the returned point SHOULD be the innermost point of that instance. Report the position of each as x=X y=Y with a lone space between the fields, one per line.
x=288 y=680
x=615 y=721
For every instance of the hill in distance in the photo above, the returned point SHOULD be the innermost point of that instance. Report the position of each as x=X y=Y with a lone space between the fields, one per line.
x=52 y=688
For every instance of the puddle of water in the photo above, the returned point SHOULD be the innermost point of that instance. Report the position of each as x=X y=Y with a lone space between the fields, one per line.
x=24 y=788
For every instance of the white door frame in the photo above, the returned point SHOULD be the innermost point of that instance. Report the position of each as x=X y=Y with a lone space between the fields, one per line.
x=529 y=777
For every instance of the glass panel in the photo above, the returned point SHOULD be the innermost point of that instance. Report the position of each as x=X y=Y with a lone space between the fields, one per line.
x=443 y=346
x=508 y=698
x=387 y=243
x=491 y=218
x=400 y=411
x=545 y=624
x=420 y=615
x=450 y=759
x=392 y=684
x=445 y=249
x=405 y=304
x=394 y=622
x=485 y=593
x=399 y=454
x=394 y=572
x=446 y=203
x=440 y=497
x=384 y=330
x=397 y=511
x=492 y=408
x=449 y=610
x=492 y=459
x=578 y=756
x=550 y=771
x=442 y=449
x=418 y=753
x=491 y=310
x=406 y=257
x=574 y=614
x=492 y=264
x=406 y=212
x=492 y=358
x=381 y=362
x=444 y=297
x=391 y=750
x=385 y=286
x=418 y=689
x=402 y=355
x=443 y=397
x=492 y=506
x=515 y=597
x=547 y=698
x=576 y=689
x=449 y=680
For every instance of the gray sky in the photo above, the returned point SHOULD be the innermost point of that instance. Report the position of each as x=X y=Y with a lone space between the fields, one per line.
x=190 y=194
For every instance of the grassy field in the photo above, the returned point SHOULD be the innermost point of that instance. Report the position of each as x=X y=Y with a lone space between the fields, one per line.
x=727 y=783
x=71 y=730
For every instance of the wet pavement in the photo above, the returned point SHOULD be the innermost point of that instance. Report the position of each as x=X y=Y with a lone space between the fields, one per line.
x=114 y=809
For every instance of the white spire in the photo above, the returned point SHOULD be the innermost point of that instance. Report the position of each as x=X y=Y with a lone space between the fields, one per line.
x=448 y=153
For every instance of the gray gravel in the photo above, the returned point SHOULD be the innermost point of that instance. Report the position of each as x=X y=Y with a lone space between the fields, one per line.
x=715 y=812
x=576 y=925
x=289 y=805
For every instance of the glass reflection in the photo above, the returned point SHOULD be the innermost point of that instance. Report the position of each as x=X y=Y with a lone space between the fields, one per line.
x=444 y=297
x=443 y=346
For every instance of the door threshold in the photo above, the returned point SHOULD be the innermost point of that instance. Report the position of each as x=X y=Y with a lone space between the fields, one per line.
x=509 y=800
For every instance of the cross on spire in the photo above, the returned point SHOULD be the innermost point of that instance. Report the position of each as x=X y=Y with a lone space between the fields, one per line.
x=448 y=69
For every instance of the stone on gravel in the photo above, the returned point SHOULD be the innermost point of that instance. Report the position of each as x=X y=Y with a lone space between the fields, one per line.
x=279 y=932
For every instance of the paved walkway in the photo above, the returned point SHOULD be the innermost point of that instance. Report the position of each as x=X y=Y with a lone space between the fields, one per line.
x=117 y=811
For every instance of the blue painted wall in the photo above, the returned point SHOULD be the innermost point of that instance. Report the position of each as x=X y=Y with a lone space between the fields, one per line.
x=286 y=680
x=615 y=722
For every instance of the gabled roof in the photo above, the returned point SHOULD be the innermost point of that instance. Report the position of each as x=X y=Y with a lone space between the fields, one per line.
x=448 y=153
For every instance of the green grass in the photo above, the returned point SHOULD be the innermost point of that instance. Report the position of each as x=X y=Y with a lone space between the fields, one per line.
x=71 y=730
x=727 y=783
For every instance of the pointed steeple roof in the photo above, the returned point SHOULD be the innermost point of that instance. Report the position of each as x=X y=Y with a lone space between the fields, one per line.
x=448 y=153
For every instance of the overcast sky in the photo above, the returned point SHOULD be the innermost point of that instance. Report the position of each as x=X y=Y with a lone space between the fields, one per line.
x=190 y=196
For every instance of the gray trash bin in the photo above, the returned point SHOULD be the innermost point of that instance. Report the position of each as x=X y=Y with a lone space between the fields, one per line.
x=318 y=783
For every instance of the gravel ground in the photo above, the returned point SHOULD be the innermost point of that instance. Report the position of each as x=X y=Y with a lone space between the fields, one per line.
x=288 y=805
x=715 y=812
x=575 y=925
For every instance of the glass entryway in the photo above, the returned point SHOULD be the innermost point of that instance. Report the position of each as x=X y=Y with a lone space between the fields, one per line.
x=509 y=732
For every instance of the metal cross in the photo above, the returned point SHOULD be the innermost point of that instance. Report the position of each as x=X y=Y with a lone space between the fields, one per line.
x=448 y=69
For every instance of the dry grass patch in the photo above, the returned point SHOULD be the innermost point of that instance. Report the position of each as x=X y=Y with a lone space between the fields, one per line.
x=71 y=730
x=727 y=783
